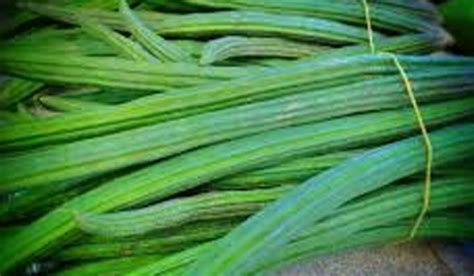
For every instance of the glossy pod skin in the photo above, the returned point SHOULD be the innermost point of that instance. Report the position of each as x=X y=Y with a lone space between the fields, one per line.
x=155 y=182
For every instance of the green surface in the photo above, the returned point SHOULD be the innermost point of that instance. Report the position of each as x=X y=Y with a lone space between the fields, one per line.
x=459 y=16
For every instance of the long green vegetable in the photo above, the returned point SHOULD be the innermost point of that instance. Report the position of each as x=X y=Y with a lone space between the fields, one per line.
x=295 y=171
x=112 y=72
x=375 y=211
x=415 y=16
x=162 y=140
x=180 y=103
x=122 y=44
x=112 y=267
x=100 y=95
x=223 y=205
x=15 y=90
x=232 y=47
x=24 y=112
x=275 y=225
x=337 y=231
x=187 y=170
x=54 y=40
x=37 y=201
x=386 y=18
x=220 y=92
x=126 y=150
x=448 y=227
x=22 y=17
x=266 y=24
x=435 y=227
x=176 y=212
x=64 y=104
x=163 y=244
x=7 y=118
x=235 y=22
x=159 y=47
x=28 y=203
x=31 y=203
x=62 y=42
x=441 y=226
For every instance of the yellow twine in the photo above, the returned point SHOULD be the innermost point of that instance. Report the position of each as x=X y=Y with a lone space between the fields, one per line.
x=370 y=32
x=428 y=146
x=419 y=117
